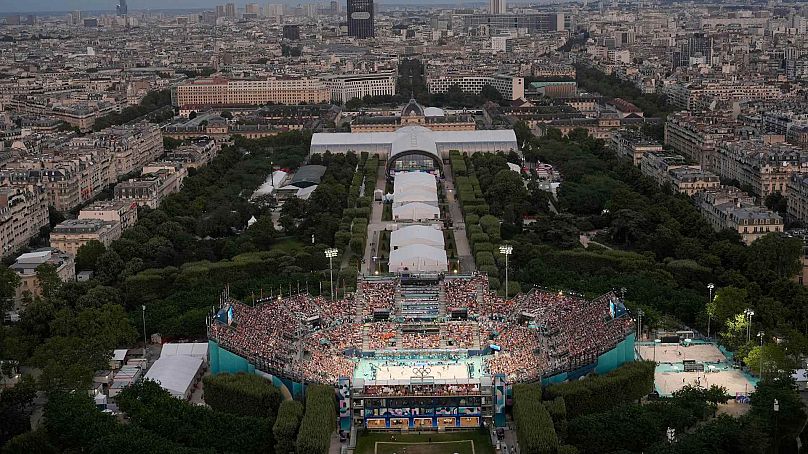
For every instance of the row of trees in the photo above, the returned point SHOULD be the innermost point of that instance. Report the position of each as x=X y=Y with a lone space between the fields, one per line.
x=628 y=383
x=242 y=394
x=151 y=102
x=595 y=81
x=318 y=422
x=287 y=424
x=534 y=426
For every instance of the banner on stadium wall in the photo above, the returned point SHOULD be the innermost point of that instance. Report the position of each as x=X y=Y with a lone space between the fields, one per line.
x=500 y=394
x=344 y=398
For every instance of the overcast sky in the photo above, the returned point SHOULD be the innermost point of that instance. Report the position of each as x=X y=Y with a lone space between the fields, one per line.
x=7 y=6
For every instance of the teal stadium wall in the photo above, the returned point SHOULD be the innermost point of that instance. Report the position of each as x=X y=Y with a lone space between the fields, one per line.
x=223 y=361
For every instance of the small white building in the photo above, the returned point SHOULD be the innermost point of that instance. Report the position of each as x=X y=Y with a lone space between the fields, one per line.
x=176 y=374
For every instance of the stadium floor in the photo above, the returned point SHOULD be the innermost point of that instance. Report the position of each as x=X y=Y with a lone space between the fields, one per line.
x=472 y=442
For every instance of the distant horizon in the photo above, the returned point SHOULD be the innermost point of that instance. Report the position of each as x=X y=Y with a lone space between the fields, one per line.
x=52 y=7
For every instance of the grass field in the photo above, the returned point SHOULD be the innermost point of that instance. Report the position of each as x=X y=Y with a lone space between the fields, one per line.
x=475 y=442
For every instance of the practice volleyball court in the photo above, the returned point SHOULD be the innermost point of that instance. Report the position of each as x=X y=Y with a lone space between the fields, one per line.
x=436 y=447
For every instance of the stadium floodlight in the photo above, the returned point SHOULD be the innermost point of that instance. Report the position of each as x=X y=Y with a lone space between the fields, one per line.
x=331 y=253
x=506 y=250
x=748 y=313
x=710 y=288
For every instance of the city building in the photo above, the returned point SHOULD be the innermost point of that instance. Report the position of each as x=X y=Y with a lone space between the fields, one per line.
x=798 y=197
x=158 y=181
x=26 y=264
x=532 y=22
x=509 y=87
x=697 y=136
x=223 y=92
x=72 y=234
x=414 y=114
x=632 y=144
x=124 y=213
x=415 y=147
x=360 y=19
x=729 y=208
x=23 y=212
x=349 y=86
x=497 y=7
x=762 y=164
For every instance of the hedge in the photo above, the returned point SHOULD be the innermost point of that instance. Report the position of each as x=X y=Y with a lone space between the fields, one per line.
x=630 y=382
x=286 y=426
x=319 y=421
x=484 y=258
x=534 y=427
x=557 y=410
x=242 y=394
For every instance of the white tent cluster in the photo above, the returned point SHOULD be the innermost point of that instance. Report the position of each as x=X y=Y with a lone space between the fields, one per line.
x=415 y=197
x=416 y=247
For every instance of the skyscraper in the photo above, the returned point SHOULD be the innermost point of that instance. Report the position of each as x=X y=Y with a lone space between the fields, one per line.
x=230 y=10
x=360 y=19
x=496 y=7
x=122 y=9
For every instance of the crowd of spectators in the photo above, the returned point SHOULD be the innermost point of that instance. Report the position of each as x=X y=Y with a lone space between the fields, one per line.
x=315 y=339
x=422 y=390
x=377 y=295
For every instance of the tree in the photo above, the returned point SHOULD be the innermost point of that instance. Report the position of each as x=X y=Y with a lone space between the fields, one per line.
x=9 y=281
x=774 y=359
x=109 y=266
x=227 y=115
x=734 y=334
x=784 y=424
x=490 y=93
x=286 y=426
x=68 y=363
x=777 y=202
x=726 y=304
x=49 y=280
x=88 y=254
x=242 y=394
x=192 y=115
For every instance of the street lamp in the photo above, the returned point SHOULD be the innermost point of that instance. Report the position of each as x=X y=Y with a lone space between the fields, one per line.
x=761 y=335
x=710 y=288
x=144 y=330
x=376 y=264
x=749 y=313
x=331 y=253
x=506 y=250
x=640 y=313
x=656 y=341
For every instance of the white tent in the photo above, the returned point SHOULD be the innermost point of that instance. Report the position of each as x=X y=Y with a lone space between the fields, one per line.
x=176 y=374
x=416 y=211
x=415 y=187
x=416 y=234
x=418 y=257
x=195 y=349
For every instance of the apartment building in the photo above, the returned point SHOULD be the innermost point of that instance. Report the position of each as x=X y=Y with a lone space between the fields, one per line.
x=508 y=86
x=158 y=181
x=697 y=136
x=699 y=95
x=765 y=164
x=124 y=213
x=656 y=165
x=69 y=177
x=633 y=145
x=673 y=169
x=792 y=125
x=346 y=87
x=131 y=146
x=26 y=264
x=23 y=211
x=223 y=92
x=72 y=234
x=730 y=208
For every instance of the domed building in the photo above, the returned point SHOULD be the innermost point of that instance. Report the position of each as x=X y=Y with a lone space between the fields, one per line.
x=414 y=114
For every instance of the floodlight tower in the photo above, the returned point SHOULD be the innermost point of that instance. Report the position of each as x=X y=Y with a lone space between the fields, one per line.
x=331 y=253
x=506 y=250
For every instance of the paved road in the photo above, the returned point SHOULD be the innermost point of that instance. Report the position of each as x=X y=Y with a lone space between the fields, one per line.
x=375 y=226
x=462 y=243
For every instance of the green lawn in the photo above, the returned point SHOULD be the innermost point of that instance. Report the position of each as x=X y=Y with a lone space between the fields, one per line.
x=474 y=442
x=288 y=245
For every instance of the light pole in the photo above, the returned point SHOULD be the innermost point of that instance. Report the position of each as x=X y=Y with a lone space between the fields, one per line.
x=331 y=253
x=656 y=341
x=506 y=250
x=375 y=264
x=749 y=313
x=144 y=330
x=710 y=288
x=640 y=313
x=761 y=335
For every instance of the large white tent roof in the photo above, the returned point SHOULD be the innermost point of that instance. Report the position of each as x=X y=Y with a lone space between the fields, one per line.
x=418 y=257
x=420 y=234
x=175 y=373
x=197 y=349
x=414 y=187
x=416 y=211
